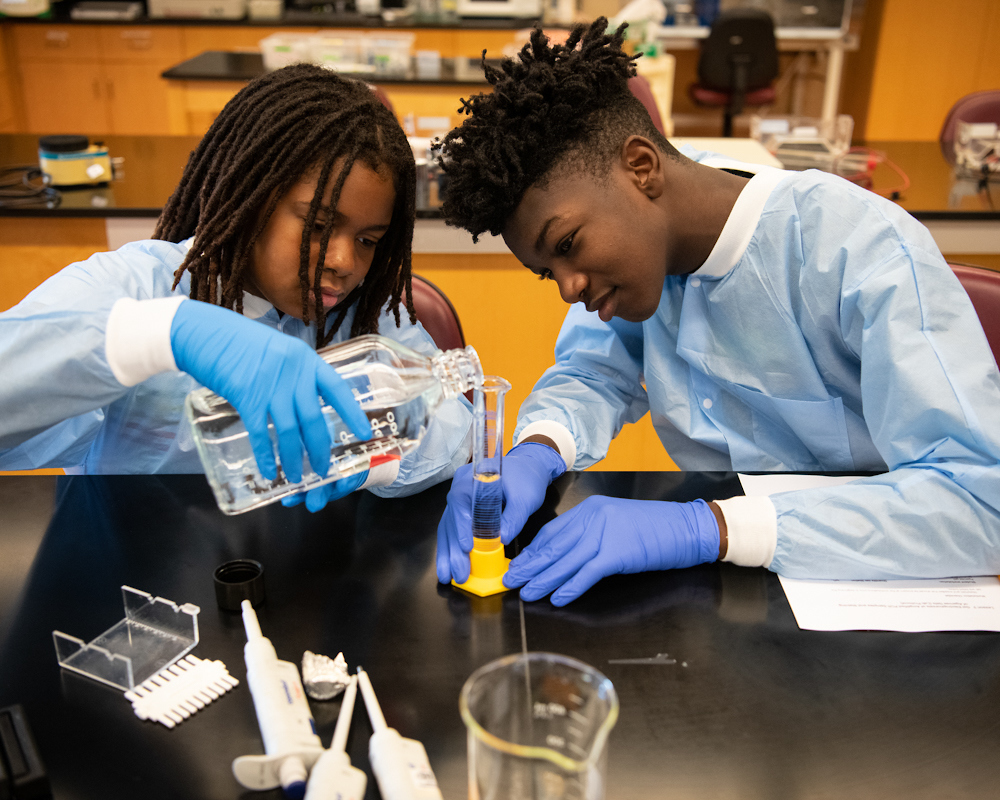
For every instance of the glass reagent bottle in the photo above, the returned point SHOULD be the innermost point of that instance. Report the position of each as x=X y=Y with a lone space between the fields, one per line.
x=398 y=388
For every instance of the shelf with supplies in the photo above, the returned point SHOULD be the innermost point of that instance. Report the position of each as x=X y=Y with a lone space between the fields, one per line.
x=217 y=65
x=425 y=102
x=102 y=12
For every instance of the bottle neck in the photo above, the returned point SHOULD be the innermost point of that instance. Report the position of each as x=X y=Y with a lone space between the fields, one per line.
x=457 y=370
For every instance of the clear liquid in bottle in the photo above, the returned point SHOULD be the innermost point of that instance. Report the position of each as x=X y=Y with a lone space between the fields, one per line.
x=398 y=388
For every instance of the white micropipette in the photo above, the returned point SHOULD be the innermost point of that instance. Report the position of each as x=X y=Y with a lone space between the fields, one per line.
x=333 y=777
x=400 y=765
x=286 y=723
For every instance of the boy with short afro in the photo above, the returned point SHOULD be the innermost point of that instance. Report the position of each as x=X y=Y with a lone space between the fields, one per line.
x=768 y=320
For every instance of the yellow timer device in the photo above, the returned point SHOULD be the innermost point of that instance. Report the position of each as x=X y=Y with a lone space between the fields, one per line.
x=73 y=161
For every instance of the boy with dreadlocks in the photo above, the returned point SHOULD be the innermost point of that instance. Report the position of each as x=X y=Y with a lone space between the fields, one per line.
x=291 y=228
x=768 y=320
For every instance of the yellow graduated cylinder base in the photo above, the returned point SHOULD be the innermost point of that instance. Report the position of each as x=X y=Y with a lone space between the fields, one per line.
x=488 y=568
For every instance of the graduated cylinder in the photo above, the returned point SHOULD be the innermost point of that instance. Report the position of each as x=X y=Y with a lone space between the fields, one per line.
x=488 y=563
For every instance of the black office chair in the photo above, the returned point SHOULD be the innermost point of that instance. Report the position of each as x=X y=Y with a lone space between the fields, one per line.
x=738 y=62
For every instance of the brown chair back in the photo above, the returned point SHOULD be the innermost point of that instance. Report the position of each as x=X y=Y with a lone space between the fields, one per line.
x=976 y=107
x=639 y=86
x=436 y=313
x=983 y=287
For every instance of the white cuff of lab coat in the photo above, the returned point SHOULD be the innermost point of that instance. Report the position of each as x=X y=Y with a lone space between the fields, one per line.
x=557 y=432
x=382 y=473
x=752 y=525
x=137 y=342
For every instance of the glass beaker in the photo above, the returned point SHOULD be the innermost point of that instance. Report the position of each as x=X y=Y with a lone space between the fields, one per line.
x=538 y=726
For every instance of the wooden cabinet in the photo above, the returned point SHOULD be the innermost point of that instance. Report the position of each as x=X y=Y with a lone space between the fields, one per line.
x=137 y=99
x=917 y=58
x=33 y=249
x=8 y=116
x=65 y=43
x=61 y=97
x=8 y=103
x=471 y=43
x=94 y=79
x=104 y=79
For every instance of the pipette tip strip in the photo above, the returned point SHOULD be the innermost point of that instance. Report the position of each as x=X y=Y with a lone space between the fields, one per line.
x=180 y=690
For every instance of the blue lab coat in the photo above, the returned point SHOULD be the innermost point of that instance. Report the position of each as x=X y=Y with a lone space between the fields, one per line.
x=64 y=408
x=824 y=333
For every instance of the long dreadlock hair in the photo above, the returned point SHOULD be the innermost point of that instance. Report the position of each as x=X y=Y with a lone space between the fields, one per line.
x=273 y=132
x=554 y=105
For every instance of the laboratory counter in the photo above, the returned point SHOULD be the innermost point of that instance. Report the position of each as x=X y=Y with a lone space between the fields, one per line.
x=931 y=191
x=148 y=170
x=152 y=165
x=223 y=65
x=722 y=695
x=319 y=16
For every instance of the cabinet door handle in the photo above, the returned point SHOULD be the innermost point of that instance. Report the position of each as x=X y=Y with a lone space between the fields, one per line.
x=138 y=40
x=57 y=39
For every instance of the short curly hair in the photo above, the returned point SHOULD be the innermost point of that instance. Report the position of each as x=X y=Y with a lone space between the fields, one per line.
x=554 y=105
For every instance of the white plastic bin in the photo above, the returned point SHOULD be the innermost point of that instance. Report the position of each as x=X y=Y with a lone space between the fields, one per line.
x=428 y=64
x=389 y=53
x=196 y=9
x=281 y=49
x=343 y=51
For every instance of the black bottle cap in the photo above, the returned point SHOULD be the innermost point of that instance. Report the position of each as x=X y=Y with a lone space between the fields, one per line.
x=239 y=580
x=69 y=143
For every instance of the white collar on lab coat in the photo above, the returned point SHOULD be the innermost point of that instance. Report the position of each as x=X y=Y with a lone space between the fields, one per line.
x=255 y=307
x=743 y=219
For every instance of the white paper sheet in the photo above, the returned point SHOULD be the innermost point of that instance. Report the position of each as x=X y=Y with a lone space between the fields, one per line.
x=762 y=485
x=748 y=150
x=945 y=604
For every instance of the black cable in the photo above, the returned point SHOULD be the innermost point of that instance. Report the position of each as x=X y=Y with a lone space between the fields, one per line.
x=984 y=186
x=25 y=186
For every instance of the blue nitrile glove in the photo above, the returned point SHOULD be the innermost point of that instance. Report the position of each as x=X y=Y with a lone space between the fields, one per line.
x=528 y=469
x=265 y=373
x=316 y=498
x=609 y=536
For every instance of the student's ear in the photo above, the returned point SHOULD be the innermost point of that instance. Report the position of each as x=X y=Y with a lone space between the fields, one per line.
x=643 y=163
